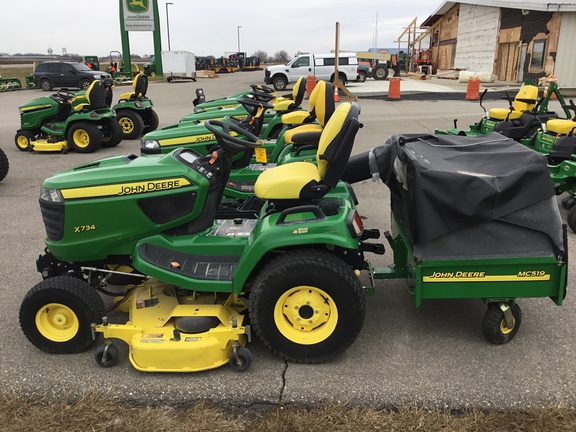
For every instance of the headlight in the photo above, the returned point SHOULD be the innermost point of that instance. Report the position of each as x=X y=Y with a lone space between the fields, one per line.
x=149 y=144
x=51 y=195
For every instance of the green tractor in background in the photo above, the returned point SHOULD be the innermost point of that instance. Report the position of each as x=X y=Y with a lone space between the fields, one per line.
x=521 y=120
x=150 y=67
x=66 y=120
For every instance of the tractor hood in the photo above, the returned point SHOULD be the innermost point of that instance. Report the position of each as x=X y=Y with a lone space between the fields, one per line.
x=38 y=104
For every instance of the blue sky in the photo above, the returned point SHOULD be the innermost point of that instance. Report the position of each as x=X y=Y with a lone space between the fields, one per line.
x=208 y=27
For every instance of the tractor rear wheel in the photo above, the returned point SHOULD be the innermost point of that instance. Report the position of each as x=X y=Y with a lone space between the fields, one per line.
x=307 y=306
x=571 y=218
x=380 y=73
x=112 y=132
x=132 y=124
x=152 y=123
x=84 y=137
x=56 y=314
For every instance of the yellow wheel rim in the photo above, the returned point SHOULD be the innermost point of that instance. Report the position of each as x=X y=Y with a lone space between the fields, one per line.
x=57 y=322
x=152 y=74
x=22 y=142
x=81 y=138
x=504 y=329
x=127 y=124
x=305 y=315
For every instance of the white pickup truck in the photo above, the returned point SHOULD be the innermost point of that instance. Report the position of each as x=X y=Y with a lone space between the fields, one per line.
x=320 y=65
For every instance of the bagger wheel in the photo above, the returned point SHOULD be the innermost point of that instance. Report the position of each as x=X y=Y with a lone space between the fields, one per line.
x=494 y=325
x=56 y=315
x=22 y=139
x=112 y=133
x=131 y=123
x=84 y=137
x=307 y=306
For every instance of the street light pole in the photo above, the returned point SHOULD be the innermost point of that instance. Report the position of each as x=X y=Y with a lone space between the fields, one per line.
x=239 y=27
x=168 y=24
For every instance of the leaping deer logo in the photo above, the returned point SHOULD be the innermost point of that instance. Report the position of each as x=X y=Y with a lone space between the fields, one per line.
x=137 y=5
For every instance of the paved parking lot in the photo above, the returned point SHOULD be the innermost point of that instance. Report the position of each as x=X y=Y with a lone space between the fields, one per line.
x=434 y=355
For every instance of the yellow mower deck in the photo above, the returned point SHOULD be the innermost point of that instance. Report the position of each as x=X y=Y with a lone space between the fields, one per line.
x=46 y=145
x=166 y=334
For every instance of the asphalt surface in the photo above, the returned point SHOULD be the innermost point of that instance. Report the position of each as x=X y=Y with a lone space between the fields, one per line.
x=434 y=355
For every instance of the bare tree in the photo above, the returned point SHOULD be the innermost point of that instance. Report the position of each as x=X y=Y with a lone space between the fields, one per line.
x=262 y=55
x=281 y=56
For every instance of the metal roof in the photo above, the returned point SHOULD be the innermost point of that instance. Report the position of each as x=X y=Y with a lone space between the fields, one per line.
x=537 y=5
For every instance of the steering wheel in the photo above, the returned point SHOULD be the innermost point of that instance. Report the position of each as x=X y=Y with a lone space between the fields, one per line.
x=231 y=143
x=570 y=106
x=250 y=102
x=66 y=95
x=262 y=88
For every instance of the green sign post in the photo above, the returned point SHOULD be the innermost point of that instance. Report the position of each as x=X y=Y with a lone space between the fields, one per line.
x=140 y=15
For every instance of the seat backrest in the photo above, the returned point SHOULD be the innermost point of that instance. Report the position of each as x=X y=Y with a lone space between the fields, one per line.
x=140 y=85
x=336 y=142
x=299 y=91
x=96 y=95
x=321 y=102
x=526 y=92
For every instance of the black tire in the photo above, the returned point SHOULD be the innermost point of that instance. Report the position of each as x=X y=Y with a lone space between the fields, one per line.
x=57 y=313
x=307 y=306
x=46 y=84
x=244 y=358
x=84 y=84
x=494 y=325
x=112 y=133
x=84 y=137
x=362 y=77
x=152 y=123
x=107 y=355
x=571 y=219
x=22 y=139
x=4 y=165
x=568 y=202
x=131 y=122
x=380 y=73
x=279 y=83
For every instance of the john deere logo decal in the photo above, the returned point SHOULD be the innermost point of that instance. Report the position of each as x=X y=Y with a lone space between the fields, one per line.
x=137 y=6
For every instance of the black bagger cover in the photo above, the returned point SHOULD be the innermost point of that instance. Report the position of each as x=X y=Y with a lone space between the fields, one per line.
x=462 y=197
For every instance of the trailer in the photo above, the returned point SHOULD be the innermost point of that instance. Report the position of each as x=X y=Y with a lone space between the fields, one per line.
x=179 y=65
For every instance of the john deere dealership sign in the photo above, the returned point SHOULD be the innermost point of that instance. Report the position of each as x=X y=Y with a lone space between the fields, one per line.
x=138 y=15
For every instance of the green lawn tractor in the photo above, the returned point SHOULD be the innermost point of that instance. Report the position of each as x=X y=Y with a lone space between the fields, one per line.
x=4 y=165
x=287 y=260
x=521 y=120
x=288 y=102
x=502 y=242
x=133 y=110
x=149 y=68
x=66 y=121
x=192 y=133
x=298 y=141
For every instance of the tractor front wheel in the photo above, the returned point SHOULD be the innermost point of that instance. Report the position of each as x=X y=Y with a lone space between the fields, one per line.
x=112 y=132
x=380 y=73
x=307 y=306
x=84 y=137
x=56 y=314
x=132 y=124
x=23 y=138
